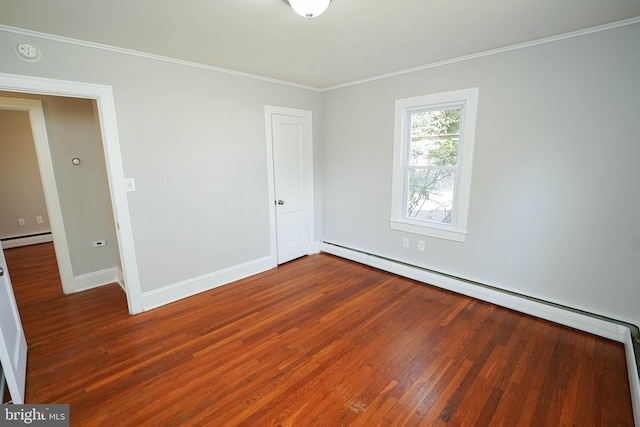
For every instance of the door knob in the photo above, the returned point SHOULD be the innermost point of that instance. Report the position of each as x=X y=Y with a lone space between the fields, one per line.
x=281 y=202
x=1 y=272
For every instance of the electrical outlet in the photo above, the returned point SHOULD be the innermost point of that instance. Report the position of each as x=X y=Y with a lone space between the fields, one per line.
x=98 y=243
x=421 y=245
x=405 y=242
x=21 y=221
x=129 y=184
x=39 y=220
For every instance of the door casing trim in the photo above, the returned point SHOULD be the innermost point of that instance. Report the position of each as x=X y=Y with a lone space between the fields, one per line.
x=103 y=95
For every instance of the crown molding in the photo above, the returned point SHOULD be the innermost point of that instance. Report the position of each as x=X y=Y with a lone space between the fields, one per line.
x=491 y=52
x=77 y=42
x=525 y=45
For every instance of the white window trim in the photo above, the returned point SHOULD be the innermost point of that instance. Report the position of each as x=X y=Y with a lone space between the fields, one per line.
x=457 y=230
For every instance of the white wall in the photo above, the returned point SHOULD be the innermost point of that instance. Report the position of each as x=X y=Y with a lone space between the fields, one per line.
x=194 y=141
x=83 y=189
x=554 y=200
x=21 y=191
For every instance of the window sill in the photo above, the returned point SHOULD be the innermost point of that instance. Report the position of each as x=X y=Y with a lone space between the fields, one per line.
x=427 y=230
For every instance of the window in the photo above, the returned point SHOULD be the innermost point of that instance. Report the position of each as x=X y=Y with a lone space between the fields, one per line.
x=432 y=159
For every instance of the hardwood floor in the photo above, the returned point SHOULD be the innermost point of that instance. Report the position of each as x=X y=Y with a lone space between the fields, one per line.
x=319 y=341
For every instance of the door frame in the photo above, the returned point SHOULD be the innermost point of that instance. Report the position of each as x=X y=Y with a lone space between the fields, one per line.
x=54 y=210
x=269 y=111
x=103 y=95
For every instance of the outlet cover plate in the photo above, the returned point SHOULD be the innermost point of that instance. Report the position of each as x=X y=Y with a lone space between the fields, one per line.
x=129 y=184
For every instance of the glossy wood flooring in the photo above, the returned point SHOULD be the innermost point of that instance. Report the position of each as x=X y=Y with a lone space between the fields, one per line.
x=319 y=341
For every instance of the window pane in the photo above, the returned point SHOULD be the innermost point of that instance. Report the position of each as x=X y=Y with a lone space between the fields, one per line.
x=434 y=137
x=430 y=194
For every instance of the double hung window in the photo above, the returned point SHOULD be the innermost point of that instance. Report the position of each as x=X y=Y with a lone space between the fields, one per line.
x=433 y=149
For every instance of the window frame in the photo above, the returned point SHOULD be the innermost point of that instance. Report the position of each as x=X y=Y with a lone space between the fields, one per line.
x=467 y=100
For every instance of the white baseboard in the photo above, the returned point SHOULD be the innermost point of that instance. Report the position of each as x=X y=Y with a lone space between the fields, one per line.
x=187 y=288
x=26 y=241
x=314 y=248
x=96 y=279
x=121 y=280
x=566 y=317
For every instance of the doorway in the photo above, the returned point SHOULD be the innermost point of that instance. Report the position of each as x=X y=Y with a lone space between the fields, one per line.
x=103 y=97
x=56 y=176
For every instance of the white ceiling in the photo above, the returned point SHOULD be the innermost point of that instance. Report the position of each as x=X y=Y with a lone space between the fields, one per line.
x=352 y=40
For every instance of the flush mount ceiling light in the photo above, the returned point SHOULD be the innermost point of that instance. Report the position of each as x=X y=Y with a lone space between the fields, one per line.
x=309 y=8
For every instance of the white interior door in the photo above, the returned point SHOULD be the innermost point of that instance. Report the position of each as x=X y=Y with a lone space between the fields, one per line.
x=293 y=184
x=13 y=344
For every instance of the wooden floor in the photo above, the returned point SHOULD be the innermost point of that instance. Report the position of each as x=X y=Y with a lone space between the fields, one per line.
x=319 y=341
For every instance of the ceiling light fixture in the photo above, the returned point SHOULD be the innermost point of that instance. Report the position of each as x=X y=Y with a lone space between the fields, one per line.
x=309 y=8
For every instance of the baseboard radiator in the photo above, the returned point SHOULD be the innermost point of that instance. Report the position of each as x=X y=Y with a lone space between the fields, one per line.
x=26 y=240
